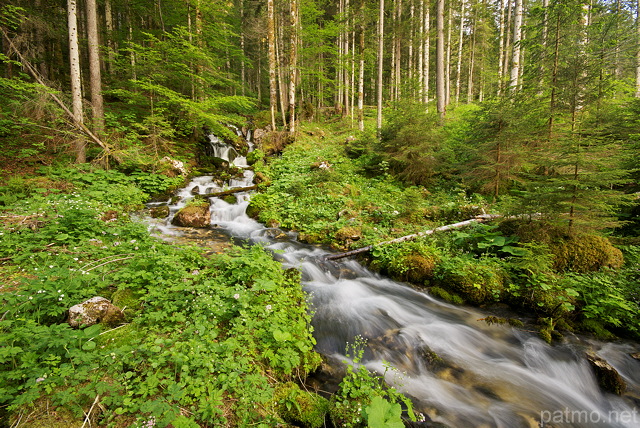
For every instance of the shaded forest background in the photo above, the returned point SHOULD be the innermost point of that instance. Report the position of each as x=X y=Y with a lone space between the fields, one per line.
x=532 y=104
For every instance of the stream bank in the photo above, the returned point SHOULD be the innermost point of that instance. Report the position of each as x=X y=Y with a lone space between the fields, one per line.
x=458 y=371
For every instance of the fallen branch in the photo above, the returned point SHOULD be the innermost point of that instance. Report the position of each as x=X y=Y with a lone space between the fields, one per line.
x=88 y=415
x=58 y=101
x=478 y=219
x=229 y=192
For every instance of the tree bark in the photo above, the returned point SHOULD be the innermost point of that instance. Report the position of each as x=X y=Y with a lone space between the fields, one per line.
x=76 y=87
x=271 y=41
x=448 y=227
x=517 y=38
x=111 y=46
x=293 y=66
x=361 y=29
x=440 y=59
x=380 y=63
x=638 y=49
x=95 y=77
x=427 y=52
x=460 y=40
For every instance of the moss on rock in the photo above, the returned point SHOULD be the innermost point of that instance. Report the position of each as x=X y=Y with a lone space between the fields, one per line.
x=586 y=253
x=193 y=216
x=299 y=407
x=477 y=281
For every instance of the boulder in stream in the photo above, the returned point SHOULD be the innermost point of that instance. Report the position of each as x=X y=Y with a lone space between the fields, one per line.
x=607 y=376
x=161 y=211
x=193 y=216
x=93 y=311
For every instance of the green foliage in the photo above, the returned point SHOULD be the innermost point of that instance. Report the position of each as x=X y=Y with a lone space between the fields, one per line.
x=364 y=399
x=604 y=298
x=300 y=407
x=478 y=281
x=486 y=239
x=411 y=261
x=411 y=142
x=210 y=335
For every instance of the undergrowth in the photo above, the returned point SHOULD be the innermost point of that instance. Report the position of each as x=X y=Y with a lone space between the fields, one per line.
x=206 y=339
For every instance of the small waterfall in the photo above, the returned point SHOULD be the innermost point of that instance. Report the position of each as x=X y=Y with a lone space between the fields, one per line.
x=459 y=371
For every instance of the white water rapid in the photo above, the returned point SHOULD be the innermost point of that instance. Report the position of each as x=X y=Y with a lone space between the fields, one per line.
x=483 y=376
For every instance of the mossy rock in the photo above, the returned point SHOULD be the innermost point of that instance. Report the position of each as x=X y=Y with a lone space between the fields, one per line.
x=597 y=329
x=443 y=294
x=533 y=230
x=299 y=407
x=193 y=216
x=586 y=253
x=310 y=238
x=230 y=199
x=159 y=212
x=477 y=281
x=348 y=234
x=419 y=267
x=253 y=211
x=607 y=376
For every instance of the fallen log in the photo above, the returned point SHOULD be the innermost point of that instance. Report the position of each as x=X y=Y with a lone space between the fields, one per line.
x=229 y=192
x=478 y=219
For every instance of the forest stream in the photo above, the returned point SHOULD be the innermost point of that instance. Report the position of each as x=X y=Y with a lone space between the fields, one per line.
x=459 y=371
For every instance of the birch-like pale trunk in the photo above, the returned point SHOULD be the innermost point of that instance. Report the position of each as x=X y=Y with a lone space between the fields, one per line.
x=95 y=76
x=440 y=60
x=380 y=64
x=111 y=44
x=517 y=38
x=271 y=41
x=507 y=42
x=293 y=66
x=447 y=67
x=427 y=53
x=460 y=40
x=361 y=69
x=638 y=49
x=411 y=33
x=76 y=87
x=421 y=52
x=501 y=53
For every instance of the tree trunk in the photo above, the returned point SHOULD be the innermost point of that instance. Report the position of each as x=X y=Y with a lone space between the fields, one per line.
x=293 y=66
x=95 y=77
x=638 y=49
x=282 y=85
x=76 y=88
x=440 y=59
x=361 y=28
x=517 y=38
x=421 y=52
x=460 y=40
x=501 y=44
x=380 y=63
x=243 y=72
x=478 y=219
x=507 y=43
x=271 y=41
x=111 y=46
x=427 y=52
x=447 y=66
x=411 y=33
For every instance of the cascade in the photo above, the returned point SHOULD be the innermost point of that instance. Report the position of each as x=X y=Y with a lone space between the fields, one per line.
x=483 y=376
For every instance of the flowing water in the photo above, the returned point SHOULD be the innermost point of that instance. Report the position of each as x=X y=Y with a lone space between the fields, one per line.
x=458 y=371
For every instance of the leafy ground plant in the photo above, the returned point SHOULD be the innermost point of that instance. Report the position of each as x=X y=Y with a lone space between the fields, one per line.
x=206 y=339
